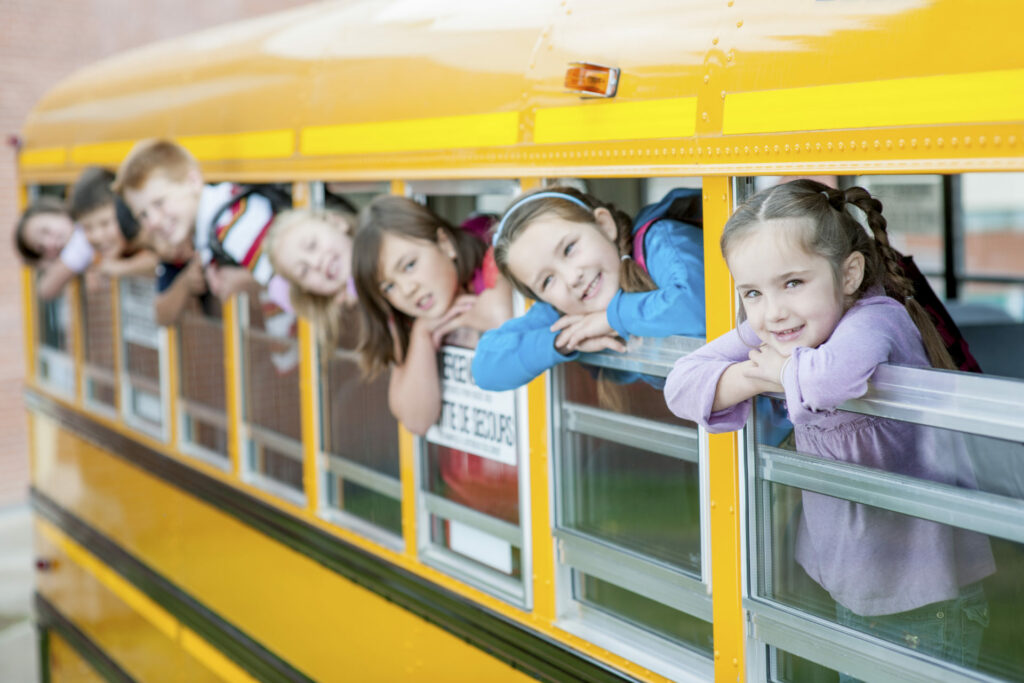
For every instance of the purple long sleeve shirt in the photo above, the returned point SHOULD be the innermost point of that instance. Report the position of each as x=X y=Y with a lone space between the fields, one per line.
x=871 y=561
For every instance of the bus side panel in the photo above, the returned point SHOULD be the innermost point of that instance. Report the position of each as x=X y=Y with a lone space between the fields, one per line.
x=321 y=624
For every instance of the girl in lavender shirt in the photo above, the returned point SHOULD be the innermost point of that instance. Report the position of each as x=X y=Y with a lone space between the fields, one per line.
x=812 y=266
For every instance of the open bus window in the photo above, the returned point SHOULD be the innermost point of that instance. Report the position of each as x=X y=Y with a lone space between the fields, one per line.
x=202 y=412
x=271 y=426
x=470 y=467
x=143 y=348
x=98 y=371
x=912 y=539
x=628 y=488
x=362 y=472
x=55 y=366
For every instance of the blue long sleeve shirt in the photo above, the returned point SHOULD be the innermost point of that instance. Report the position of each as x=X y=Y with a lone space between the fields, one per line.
x=522 y=348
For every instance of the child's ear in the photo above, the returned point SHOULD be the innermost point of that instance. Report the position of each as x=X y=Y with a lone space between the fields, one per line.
x=445 y=243
x=853 y=272
x=606 y=223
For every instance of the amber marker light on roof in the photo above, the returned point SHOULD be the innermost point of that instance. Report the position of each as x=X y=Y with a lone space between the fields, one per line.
x=592 y=79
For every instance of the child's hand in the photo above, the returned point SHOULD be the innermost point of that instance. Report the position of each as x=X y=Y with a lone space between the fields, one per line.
x=193 y=276
x=577 y=329
x=226 y=281
x=767 y=364
x=459 y=314
x=606 y=342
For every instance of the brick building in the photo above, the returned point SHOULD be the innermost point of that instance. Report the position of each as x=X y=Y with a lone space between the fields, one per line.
x=42 y=42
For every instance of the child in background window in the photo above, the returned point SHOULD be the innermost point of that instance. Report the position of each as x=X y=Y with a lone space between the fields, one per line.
x=163 y=186
x=596 y=281
x=811 y=266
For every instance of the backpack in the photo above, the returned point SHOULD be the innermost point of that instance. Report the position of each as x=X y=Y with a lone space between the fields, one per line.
x=682 y=204
x=279 y=200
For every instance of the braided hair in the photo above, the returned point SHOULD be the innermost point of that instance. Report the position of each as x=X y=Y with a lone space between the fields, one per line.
x=837 y=216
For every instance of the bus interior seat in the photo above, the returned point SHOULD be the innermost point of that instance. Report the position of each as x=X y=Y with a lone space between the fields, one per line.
x=994 y=337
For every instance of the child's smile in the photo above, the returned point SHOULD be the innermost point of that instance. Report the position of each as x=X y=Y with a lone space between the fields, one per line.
x=572 y=266
x=790 y=296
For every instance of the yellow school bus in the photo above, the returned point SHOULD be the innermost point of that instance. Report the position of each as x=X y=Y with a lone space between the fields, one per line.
x=217 y=500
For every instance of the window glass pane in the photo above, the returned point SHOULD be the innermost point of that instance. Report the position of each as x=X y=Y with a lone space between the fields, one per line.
x=142 y=393
x=201 y=382
x=993 y=215
x=270 y=392
x=480 y=548
x=98 y=337
x=476 y=482
x=373 y=491
x=644 y=612
x=912 y=206
x=639 y=500
x=941 y=590
x=788 y=668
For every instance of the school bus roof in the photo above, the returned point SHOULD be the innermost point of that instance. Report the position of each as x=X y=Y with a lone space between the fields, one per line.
x=369 y=89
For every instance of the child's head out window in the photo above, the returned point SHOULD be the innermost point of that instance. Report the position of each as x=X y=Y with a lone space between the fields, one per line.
x=42 y=230
x=802 y=253
x=312 y=250
x=93 y=205
x=161 y=183
x=408 y=263
x=568 y=249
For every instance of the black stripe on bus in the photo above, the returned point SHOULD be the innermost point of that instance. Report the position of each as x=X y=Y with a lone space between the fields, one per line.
x=49 y=618
x=535 y=654
x=232 y=641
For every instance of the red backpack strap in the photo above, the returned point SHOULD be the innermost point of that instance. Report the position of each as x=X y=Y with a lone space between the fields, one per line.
x=638 y=243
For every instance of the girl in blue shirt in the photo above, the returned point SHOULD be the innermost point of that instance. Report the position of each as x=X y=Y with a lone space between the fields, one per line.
x=596 y=279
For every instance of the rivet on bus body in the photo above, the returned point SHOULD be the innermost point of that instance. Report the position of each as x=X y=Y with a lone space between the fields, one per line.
x=708 y=151
x=913 y=143
x=731 y=3
x=997 y=140
x=967 y=141
x=731 y=509
x=829 y=146
x=723 y=199
x=927 y=143
x=864 y=144
x=888 y=144
x=713 y=503
x=718 y=653
x=568 y=11
x=707 y=78
x=723 y=94
x=817 y=146
x=939 y=142
x=775 y=149
x=981 y=141
x=756 y=149
x=730 y=55
x=787 y=149
x=714 y=41
x=739 y=23
x=746 y=149
x=735 y=661
x=704 y=116
x=705 y=199
x=953 y=141
x=1012 y=141
x=902 y=143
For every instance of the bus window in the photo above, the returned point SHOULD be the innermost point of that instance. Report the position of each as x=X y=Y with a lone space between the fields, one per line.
x=362 y=474
x=202 y=421
x=470 y=468
x=54 y=363
x=629 y=489
x=98 y=372
x=966 y=233
x=896 y=518
x=271 y=440
x=143 y=349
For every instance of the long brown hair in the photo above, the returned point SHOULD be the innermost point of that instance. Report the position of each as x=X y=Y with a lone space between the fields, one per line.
x=384 y=333
x=39 y=207
x=836 y=234
x=525 y=210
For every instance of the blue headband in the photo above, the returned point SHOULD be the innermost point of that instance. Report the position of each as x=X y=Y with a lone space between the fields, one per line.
x=529 y=198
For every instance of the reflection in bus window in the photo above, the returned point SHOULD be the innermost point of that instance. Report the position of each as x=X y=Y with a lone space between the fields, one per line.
x=359 y=436
x=100 y=388
x=272 y=425
x=202 y=400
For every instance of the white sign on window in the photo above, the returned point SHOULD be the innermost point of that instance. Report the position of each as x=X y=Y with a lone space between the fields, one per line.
x=480 y=422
